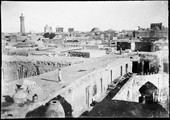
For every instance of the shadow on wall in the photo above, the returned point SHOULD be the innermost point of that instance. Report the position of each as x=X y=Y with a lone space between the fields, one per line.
x=8 y=100
x=149 y=93
x=40 y=112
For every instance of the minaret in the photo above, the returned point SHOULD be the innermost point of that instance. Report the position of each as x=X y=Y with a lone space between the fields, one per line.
x=22 y=26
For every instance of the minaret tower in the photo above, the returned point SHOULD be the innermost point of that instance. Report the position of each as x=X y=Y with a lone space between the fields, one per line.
x=22 y=26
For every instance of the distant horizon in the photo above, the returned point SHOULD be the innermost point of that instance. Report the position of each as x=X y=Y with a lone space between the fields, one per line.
x=83 y=16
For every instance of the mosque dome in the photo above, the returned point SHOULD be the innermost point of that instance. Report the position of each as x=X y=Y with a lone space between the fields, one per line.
x=110 y=30
x=95 y=29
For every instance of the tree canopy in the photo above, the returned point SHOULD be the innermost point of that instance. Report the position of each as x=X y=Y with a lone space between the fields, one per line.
x=49 y=35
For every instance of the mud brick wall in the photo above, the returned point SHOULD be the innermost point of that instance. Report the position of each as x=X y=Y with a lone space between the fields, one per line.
x=15 y=70
x=21 y=53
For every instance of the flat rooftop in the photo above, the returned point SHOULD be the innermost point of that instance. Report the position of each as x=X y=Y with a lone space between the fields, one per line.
x=127 y=40
x=49 y=84
x=89 y=50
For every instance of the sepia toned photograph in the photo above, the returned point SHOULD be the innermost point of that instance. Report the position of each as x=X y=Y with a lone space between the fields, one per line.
x=88 y=59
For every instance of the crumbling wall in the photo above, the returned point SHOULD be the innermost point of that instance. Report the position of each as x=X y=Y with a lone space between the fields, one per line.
x=15 y=70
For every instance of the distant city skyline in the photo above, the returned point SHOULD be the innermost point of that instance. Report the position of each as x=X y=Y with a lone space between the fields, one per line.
x=83 y=16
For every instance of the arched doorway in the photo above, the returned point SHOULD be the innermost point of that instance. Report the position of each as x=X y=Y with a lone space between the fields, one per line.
x=135 y=67
x=149 y=93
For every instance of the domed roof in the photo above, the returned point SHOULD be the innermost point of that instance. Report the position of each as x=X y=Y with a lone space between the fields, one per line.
x=110 y=30
x=95 y=29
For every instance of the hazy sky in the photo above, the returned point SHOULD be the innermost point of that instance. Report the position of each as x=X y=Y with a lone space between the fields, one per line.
x=83 y=16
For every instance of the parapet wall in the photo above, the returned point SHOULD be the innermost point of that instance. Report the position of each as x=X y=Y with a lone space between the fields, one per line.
x=15 y=70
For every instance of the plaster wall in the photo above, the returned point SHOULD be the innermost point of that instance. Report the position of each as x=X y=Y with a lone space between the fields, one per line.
x=78 y=97
x=130 y=91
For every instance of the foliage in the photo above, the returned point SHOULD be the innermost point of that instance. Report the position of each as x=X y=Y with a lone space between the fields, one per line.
x=49 y=35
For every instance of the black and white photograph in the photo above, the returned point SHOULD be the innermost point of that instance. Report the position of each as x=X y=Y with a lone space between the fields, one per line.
x=84 y=59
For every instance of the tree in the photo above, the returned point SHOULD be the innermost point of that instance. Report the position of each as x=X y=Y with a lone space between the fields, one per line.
x=46 y=35
x=49 y=35
x=52 y=35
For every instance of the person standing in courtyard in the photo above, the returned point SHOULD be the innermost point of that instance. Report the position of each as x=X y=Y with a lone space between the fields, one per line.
x=59 y=75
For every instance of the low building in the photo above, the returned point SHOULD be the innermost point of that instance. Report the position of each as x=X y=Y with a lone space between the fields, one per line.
x=134 y=45
x=143 y=46
x=142 y=33
x=90 y=47
x=74 y=41
x=72 y=38
x=91 y=42
x=70 y=30
x=124 y=44
x=25 y=44
x=87 y=53
x=57 y=40
x=72 y=44
x=81 y=84
x=59 y=29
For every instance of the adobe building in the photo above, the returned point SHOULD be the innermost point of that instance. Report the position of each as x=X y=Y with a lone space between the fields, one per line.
x=47 y=29
x=59 y=29
x=156 y=26
x=156 y=30
x=70 y=30
x=81 y=84
x=134 y=45
x=87 y=53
